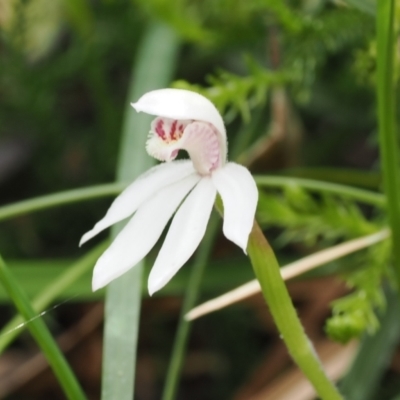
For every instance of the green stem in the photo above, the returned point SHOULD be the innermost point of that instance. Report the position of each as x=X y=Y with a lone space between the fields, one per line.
x=189 y=301
x=59 y=199
x=113 y=189
x=278 y=299
x=51 y=292
x=388 y=140
x=42 y=335
x=362 y=195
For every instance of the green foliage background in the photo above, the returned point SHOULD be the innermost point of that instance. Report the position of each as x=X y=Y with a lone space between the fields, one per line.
x=64 y=76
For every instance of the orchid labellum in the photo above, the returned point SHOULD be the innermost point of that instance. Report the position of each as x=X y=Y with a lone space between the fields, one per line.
x=184 y=121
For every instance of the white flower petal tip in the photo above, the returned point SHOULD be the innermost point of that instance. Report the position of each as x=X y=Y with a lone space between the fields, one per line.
x=155 y=287
x=84 y=239
x=239 y=195
x=182 y=105
x=98 y=282
x=141 y=233
x=185 y=233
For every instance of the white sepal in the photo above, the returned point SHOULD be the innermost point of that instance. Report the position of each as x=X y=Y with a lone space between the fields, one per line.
x=239 y=195
x=139 y=191
x=184 y=235
x=141 y=233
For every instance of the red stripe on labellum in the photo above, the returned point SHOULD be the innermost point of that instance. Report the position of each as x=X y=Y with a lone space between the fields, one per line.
x=160 y=130
x=173 y=132
x=200 y=139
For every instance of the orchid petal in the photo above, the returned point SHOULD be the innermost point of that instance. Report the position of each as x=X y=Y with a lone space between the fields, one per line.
x=182 y=104
x=239 y=195
x=186 y=231
x=141 y=233
x=139 y=191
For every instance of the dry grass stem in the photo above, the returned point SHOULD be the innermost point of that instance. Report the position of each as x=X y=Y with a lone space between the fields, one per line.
x=288 y=272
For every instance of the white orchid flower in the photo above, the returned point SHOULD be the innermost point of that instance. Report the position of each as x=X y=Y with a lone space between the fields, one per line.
x=185 y=120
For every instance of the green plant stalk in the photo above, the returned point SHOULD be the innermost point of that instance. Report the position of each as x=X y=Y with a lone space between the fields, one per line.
x=362 y=195
x=191 y=295
x=42 y=335
x=388 y=139
x=345 y=176
x=280 y=304
x=154 y=67
x=113 y=189
x=9 y=332
x=60 y=199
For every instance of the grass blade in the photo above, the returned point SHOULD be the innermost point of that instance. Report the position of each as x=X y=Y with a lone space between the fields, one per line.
x=59 y=199
x=388 y=138
x=362 y=195
x=112 y=189
x=153 y=69
x=51 y=292
x=191 y=295
x=42 y=335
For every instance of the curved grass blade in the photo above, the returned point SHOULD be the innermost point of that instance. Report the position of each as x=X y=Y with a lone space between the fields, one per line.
x=42 y=335
x=191 y=295
x=51 y=292
x=113 y=189
x=59 y=199
x=345 y=176
x=362 y=195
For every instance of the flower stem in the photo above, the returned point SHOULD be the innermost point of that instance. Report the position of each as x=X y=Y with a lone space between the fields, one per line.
x=388 y=139
x=191 y=295
x=277 y=297
x=41 y=334
x=113 y=189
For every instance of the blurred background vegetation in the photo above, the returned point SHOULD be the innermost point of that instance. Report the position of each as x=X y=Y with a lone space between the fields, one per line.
x=295 y=83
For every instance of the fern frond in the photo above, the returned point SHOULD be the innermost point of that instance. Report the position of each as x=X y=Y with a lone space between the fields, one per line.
x=234 y=94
